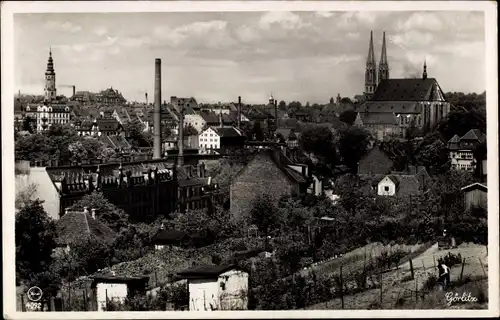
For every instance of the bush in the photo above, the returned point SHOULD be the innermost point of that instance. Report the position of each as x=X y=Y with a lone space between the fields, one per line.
x=430 y=283
x=450 y=259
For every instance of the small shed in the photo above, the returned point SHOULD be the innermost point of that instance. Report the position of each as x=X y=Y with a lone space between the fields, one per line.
x=216 y=287
x=115 y=288
x=475 y=195
x=169 y=238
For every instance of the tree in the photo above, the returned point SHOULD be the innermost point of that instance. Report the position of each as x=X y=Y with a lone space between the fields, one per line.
x=348 y=116
x=460 y=121
x=89 y=254
x=265 y=214
x=189 y=130
x=136 y=135
x=25 y=196
x=318 y=140
x=353 y=145
x=108 y=213
x=282 y=105
x=35 y=239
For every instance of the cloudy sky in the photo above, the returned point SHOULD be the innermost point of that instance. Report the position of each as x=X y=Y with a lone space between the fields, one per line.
x=216 y=56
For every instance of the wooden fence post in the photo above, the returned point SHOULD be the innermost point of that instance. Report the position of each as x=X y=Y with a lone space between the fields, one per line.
x=462 y=271
x=85 y=299
x=106 y=300
x=434 y=258
x=482 y=267
x=381 y=293
x=411 y=269
x=416 y=290
x=423 y=265
x=23 y=306
x=341 y=288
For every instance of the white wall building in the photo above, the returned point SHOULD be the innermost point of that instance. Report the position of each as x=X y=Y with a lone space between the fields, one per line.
x=386 y=187
x=47 y=115
x=461 y=150
x=116 y=289
x=209 y=139
x=213 y=288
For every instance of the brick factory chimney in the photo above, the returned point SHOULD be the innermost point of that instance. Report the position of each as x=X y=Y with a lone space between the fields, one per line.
x=157 y=112
x=239 y=111
x=74 y=91
x=180 y=137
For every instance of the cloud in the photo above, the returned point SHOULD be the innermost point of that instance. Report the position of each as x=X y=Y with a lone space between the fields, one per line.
x=356 y=19
x=324 y=14
x=211 y=33
x=100 y=31
x=284 y=19
x=65 y=26
x=427 y=21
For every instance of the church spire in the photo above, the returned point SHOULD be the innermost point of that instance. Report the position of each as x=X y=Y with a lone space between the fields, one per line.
x=371 y=71
x=371 y=55
x=424 y=75
x=383 y=68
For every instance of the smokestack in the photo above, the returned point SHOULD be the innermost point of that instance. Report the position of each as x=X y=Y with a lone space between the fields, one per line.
x=239 y=111
x=276 y=113
x=146 y=98
x=180 y=159
x=74 y=91
x=157 y=112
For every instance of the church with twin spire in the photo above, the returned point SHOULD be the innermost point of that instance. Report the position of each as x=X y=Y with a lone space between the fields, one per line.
x=394 y=105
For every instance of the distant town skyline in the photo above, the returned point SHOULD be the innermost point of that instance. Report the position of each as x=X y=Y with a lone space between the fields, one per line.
x=216 y=56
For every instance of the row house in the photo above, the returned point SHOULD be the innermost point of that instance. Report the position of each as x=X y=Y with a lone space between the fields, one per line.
x=461 y=150
x=99 y=127
x=43 y=116
x=144 y=190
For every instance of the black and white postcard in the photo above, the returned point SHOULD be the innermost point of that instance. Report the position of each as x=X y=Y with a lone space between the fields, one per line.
x=178 y=159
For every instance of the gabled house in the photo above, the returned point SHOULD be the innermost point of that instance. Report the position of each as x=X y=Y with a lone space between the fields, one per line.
x=269 y=172
x=74 y=226
x=179 y=103
x=100 y=127
x=461 y=149
x=216 y=287
x=399 y=185
x=475 y=195
x=221 y=138
x=381 y=125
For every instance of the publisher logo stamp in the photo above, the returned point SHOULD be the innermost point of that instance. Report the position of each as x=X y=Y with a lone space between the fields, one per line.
x=455 y=298
x=34 y=294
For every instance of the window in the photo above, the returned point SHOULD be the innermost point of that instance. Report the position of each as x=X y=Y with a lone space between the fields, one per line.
x=386 y=188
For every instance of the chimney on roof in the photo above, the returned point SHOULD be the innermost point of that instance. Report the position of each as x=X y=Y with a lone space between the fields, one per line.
x=239 y=111
x=93 y=213
x=157 y=111
x=180 y=137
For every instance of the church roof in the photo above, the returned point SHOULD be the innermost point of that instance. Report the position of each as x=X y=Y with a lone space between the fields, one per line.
x=391 y=106
x=378 y=118
x=473 y=134
x=407 y=90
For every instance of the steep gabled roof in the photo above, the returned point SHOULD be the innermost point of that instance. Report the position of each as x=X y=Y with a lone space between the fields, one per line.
x=206 y=271
x=407 y=90
x=73 y=225
x=391 y=107
x=474 y=135
x=227 y=132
